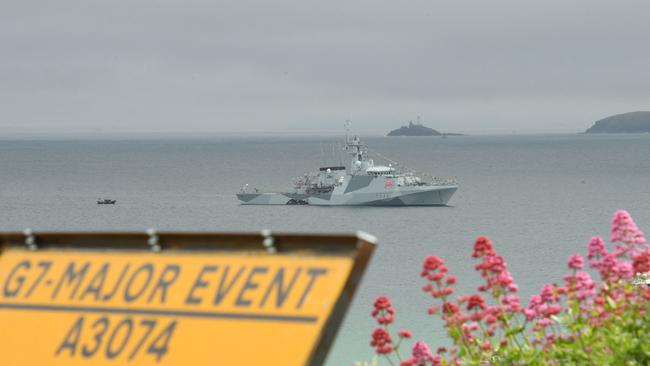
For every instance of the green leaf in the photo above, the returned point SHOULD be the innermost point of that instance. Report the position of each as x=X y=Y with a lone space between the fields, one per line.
x=513 y=331
x=610 y=302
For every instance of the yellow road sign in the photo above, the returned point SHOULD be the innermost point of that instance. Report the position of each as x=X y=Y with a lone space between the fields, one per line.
x=196 y=299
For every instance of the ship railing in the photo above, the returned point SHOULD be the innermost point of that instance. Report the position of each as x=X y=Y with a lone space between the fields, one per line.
x=247 y=189
x=431 y=181
x=444 y=181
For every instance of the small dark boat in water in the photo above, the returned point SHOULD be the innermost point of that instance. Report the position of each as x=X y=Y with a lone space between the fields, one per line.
x=106 y=201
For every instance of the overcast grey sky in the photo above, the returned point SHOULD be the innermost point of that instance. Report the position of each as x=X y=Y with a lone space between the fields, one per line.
x=307 y=66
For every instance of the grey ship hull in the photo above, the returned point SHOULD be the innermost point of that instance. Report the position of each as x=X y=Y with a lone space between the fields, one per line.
x=362 y=183
x=366 y=196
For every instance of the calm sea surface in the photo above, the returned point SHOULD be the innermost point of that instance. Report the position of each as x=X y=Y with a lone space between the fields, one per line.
x=540 y=198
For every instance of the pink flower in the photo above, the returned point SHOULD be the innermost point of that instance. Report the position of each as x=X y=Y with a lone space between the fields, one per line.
x=493 y=268
x=422 y=353
x=486 y=345
x=434 y=270
x=505 y=278
x=545 y=322
x=511 y=303
x=576 y=262
x=451 y=280
x=531 y=310
x=584 y=285
x=624 y=270
x=625 y=230
x=606 y=265
x=548 y=293
x=494 y=264
x=596 y=248
x=530 y=314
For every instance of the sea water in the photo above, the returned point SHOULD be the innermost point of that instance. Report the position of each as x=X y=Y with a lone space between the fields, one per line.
x=539 y=197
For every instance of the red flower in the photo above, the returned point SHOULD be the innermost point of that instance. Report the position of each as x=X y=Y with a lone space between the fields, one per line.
x=483 y=247
x=552 y=310
x=646 y=294
x=486 y=345
x=431 y=263
x=450 y=308
x=404 y=333
x=382 y=302
x=384 y=349
x=435 y=276
x=381 y=341
x=383 y=311
x=476 y=301
x=642 y=262
x=599 y=300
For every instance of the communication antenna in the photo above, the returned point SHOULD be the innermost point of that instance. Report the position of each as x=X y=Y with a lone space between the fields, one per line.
x=348 y=124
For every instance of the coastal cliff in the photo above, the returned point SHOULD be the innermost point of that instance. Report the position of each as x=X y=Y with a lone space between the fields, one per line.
x=633 y=122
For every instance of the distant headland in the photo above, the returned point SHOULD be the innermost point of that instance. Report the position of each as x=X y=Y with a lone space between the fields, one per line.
x=633 y=122
x=417 y=129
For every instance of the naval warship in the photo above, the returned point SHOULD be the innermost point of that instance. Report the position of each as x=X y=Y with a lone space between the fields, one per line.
x=360 y=183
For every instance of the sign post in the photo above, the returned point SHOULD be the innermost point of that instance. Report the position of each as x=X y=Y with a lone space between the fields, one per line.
x=175 y=298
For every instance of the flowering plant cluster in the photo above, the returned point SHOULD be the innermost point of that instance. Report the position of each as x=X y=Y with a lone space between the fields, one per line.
x=579 y=321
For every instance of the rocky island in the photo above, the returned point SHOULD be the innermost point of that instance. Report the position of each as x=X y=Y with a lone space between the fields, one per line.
x=417 y=129
x=633 y=122
x=414 y=129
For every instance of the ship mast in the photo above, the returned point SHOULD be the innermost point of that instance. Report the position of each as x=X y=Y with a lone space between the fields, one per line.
x=347 y=125
x=357 y=150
